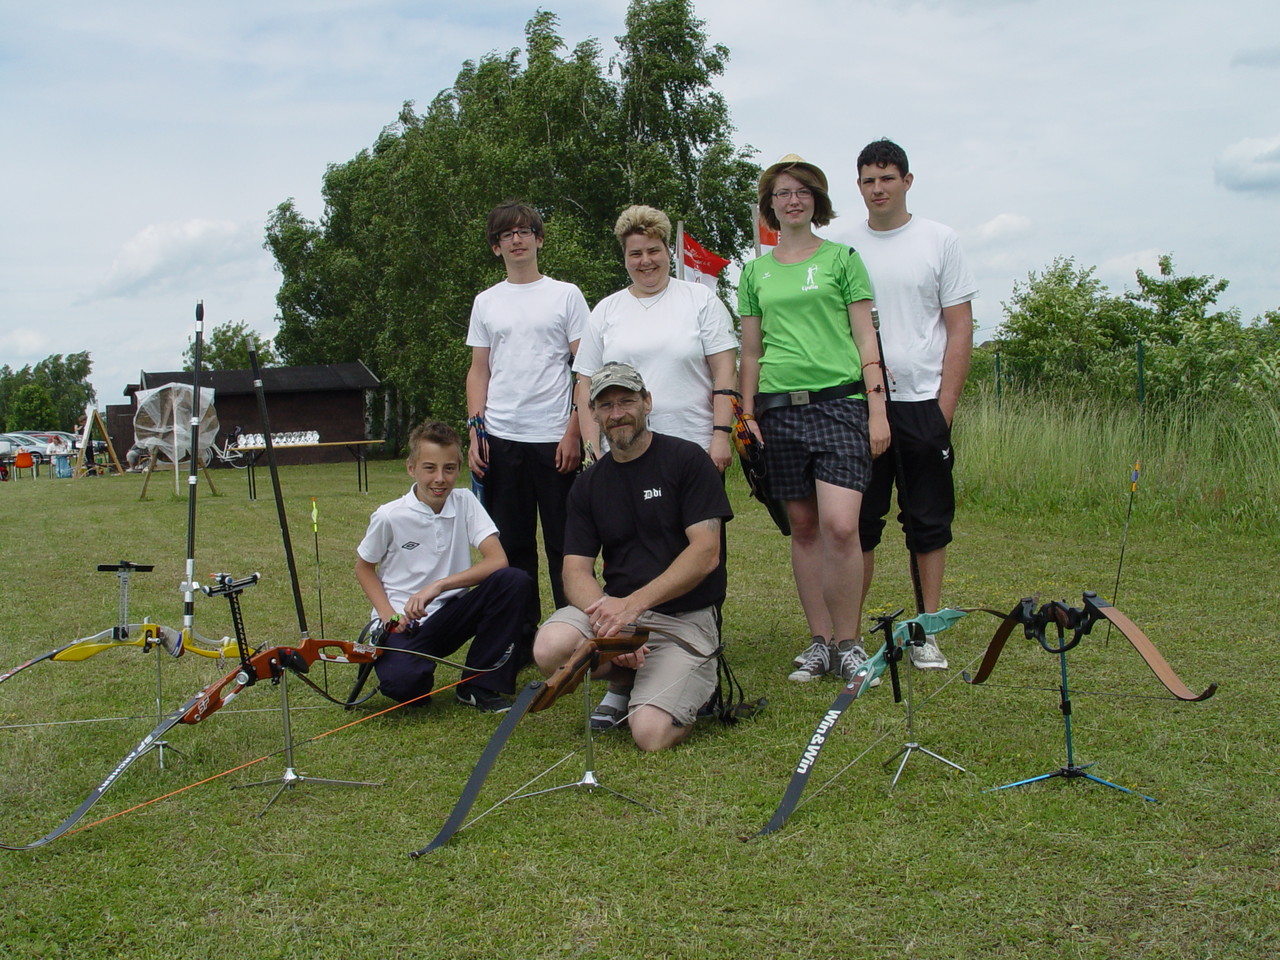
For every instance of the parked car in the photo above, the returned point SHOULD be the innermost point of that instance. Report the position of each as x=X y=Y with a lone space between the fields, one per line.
x=39 y=449
x=71 y=438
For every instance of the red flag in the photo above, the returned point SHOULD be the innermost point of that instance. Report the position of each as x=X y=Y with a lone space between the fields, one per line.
x=766 y=237
x=700 y=264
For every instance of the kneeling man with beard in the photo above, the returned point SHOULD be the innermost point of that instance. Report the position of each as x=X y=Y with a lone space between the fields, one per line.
x=653 y=509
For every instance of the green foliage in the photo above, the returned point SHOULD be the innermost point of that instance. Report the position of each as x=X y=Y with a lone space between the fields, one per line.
x=227 y=348
x=65 y=382
x=31 y=408
x=1064 y=331
x=389 y=273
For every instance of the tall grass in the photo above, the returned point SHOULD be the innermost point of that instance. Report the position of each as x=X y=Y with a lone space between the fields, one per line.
x=1039 y=451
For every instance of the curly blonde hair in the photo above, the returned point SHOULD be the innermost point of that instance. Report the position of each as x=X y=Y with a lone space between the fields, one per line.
x=647 y=221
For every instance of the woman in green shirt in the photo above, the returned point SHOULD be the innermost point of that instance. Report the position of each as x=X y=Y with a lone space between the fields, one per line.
x=810 y=374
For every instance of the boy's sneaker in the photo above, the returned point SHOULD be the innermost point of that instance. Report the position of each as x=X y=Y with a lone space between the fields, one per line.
x=928 y=657
x=798 y=659
x=486 y=701
x=606 y=717
x=849 y=657
x=815 y=663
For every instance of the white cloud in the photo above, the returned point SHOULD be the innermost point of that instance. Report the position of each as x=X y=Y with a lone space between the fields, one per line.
x=162 y=256
x=23 y=342
x=1249 y=165
x=1002 y=226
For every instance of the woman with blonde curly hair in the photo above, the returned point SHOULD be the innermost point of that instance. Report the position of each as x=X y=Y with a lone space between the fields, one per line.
x=676 y=333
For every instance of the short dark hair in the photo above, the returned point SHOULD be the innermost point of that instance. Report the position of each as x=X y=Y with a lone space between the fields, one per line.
x=822 y=210
x=433 y=431
x=883 y=153
x=509 y=216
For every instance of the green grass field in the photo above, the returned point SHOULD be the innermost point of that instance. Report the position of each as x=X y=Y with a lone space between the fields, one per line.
x=939 y=869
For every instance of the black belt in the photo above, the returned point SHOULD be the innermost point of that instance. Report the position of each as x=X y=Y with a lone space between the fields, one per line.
x=798 y=398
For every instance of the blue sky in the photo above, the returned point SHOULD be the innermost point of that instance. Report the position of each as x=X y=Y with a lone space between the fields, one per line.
x=147 y=143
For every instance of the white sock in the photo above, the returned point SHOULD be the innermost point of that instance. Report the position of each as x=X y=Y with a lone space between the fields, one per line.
x=616 y=699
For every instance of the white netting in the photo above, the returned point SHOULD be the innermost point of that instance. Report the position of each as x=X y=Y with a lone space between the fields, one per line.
x=163 y=421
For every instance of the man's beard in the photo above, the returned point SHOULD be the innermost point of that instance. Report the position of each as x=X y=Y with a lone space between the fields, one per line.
x=623 y=436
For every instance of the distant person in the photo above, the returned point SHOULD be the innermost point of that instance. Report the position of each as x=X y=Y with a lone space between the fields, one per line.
x=652 y=510
x=810 y=375
x=60 y=452
x=523 y=334
x=137 y=453
x=923 y=292
x=414 y=564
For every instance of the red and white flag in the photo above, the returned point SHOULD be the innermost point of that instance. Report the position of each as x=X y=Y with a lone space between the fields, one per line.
x=766 y=238
x=700 y=264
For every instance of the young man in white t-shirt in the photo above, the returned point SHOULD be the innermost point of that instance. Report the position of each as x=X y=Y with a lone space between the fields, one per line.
x=523 y=335
x=414 y=564
x=923 y=292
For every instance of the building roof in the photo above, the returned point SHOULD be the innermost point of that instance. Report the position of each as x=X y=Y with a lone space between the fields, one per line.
x=308 y=379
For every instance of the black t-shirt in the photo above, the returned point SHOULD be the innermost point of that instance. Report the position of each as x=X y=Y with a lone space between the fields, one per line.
x=636 y=513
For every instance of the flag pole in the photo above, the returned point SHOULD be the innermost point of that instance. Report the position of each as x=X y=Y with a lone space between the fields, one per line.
x=679 y=249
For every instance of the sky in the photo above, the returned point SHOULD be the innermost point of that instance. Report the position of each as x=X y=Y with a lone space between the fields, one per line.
x=149 y=142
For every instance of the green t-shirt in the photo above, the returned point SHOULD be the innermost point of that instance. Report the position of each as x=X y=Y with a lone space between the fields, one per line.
x=804 y=317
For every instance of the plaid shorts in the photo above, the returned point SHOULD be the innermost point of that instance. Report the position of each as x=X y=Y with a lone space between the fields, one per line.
x=827 y=441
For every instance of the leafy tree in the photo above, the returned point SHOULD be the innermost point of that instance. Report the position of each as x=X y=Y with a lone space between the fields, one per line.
x=32 y=408
x=65 y=381
x=389 y=273
x=1172 y=306
x=1062 y=327
x=227 y=348
x=1058 y=323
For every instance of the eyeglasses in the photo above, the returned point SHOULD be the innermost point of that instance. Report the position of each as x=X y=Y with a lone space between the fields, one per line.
x=622 y=406
x=804 y=193
x=524 y=233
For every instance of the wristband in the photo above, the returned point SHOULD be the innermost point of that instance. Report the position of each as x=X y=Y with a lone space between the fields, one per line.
x=725 y=429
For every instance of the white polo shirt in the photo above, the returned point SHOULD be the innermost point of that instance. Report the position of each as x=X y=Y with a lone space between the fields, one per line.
x=413 y=545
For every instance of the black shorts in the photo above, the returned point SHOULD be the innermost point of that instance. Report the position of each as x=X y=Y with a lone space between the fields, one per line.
x=923 y=438
x=826 y=441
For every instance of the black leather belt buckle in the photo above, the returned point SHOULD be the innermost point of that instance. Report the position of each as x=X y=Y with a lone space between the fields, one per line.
x=799 y=397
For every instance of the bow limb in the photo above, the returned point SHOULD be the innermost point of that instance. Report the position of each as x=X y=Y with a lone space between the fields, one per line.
x=1021 y=614
x=861 y=681
x=481 y=770
x=33 y=661
x=144 y=746
x=538 y=695
x=1096 y=607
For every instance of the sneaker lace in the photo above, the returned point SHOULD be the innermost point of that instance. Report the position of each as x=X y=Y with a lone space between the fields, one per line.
x=851 y=660
x=817 y=656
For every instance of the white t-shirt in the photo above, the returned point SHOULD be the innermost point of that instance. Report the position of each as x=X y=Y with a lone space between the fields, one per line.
x=413 y=545
x=916 y=270
x=668 y=339
x=528 y=328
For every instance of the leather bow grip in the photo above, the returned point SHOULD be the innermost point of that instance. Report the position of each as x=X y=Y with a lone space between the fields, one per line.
x=587 y=655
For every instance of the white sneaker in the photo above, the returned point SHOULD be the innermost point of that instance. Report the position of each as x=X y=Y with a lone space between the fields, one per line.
x=927 y=657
